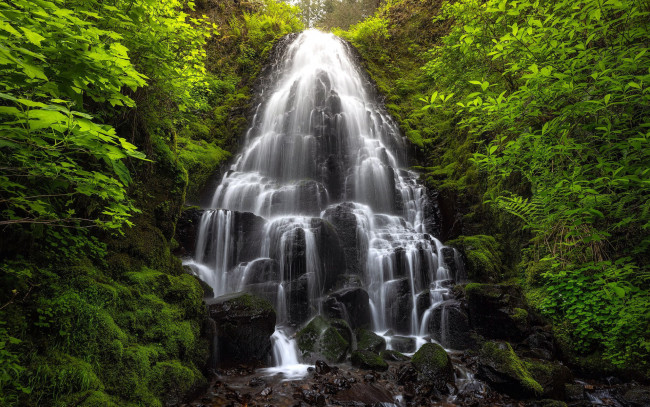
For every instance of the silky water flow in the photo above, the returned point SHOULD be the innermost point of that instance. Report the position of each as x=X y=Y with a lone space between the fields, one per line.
x=319 y=200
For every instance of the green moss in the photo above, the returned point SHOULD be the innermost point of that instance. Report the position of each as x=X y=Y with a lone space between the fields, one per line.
x=370 y=341
x=483 y=255
x=520 y=315
x=431 y=358
x=504 y=358
x=201 y=159
x=318 y=337
x=368 y=360
x=393 y=355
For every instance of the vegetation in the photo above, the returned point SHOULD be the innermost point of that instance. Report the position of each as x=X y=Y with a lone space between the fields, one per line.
x=533 y=123
x=105 y=109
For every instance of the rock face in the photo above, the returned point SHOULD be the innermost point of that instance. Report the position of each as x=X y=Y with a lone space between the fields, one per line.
x=186 y=231
x=345 y=222
x=350 y=304
x=502 y=369
x=449 y=325
x=434 y=368
x=497 y=311
x=244 y=325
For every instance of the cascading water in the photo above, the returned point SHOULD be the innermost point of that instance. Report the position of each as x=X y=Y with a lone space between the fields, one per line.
x=320 y=197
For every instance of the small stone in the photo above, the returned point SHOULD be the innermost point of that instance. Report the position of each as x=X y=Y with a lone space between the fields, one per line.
x=322 y=367
x=266 y=392
x=369 y=378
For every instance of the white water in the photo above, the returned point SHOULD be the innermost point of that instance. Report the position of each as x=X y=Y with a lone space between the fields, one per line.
x=320 y=139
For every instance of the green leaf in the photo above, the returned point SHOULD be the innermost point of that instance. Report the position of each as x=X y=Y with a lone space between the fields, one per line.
x=33 y=37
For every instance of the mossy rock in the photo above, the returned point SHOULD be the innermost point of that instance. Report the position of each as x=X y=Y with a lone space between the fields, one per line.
x=498 y=311
x=393 y=355
x=367 y=360
x=552 y=376
x=433 y=366
x=502 y=369
x=483 y=257
x=370 y=341
x=319 y=339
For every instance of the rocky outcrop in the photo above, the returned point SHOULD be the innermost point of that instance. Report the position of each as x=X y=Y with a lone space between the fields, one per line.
x=244 y=325
x=350 y=304
x=322 y=340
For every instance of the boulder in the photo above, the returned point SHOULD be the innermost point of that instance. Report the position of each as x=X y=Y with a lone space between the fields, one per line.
x=497 y=311
x=449 y=326
x=501 y=368
x=370 y=341
x=244 y=325
x=434 y=368
x=319 y=340
x=368 y=360
x=403 y=344
x=350 y=304
x=552 y=376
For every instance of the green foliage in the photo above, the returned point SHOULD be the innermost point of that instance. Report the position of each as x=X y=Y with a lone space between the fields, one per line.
x=556 y=95
x=56 y=157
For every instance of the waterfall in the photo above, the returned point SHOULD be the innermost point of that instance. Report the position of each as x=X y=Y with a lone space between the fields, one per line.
x=321 y=191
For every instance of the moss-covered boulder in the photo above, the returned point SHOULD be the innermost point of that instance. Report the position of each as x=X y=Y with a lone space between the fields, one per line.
x=244 y=325
x=370 y=341
x=502 y=369
x=552 y=376
x=433 y=367
x=498 y=311
x=320 y=339
x=368 y=360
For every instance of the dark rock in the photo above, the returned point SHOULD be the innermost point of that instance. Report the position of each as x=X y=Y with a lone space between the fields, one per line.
x=262 y=271
x=322 y=367
x=320 y=340
x=368 y=360
x=370 y=341
x=574 y=392
x=330 y=252
x=547 y=403
x=313 y=398
x=433 y=367
x=403 y=344
x=186 y=231
x=298 y=304
x=350 y=304
x=552 y=376
x=365 y=394
x=244 y=325
x=344 y=221
x=256 y=382
x=497 y=311
x=393 y=355
x=638 y=396
x=398 y=294
x=449 y=326
x=249 y=229
x=502 y=369
x=539 y=344
x=423 y=303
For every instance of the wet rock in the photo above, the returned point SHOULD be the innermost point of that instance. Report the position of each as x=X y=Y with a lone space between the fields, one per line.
x=423 y=303
x=574 y=392
x=552 y=376
x=298 y=304
x=400 y=300
x=502 y=369
x=449 y=325
x=256 y=382
x=403 y=344
x=350 y=304
x=266 y=392
x=497 y=311
x=244 y=325
x=262 y=271
x=320 y=340
x=345 y=222
x=368 y=360
x=370 y=341
x=434 y=368
x=249 y=229
x=186 y=231
x=331 y=253
x=322 y=367
x=313 y=398
x=365 y=394
x=393 y=355
x=539 y=344
x=638 y=396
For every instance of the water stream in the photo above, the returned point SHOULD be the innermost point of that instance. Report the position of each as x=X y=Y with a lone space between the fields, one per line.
x=320 y=199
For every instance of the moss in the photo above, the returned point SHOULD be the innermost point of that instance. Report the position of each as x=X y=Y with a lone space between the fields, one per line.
x=97 y=399
x=318 y=337
x=370 y=341
x=368 y=360
x=201 y=159
x=504 y=359
x=431 y=358
x=393 y=355
x=483 y=257
x=520 y=315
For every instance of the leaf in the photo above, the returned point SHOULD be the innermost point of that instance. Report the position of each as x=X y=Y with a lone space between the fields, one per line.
x=33 y=37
